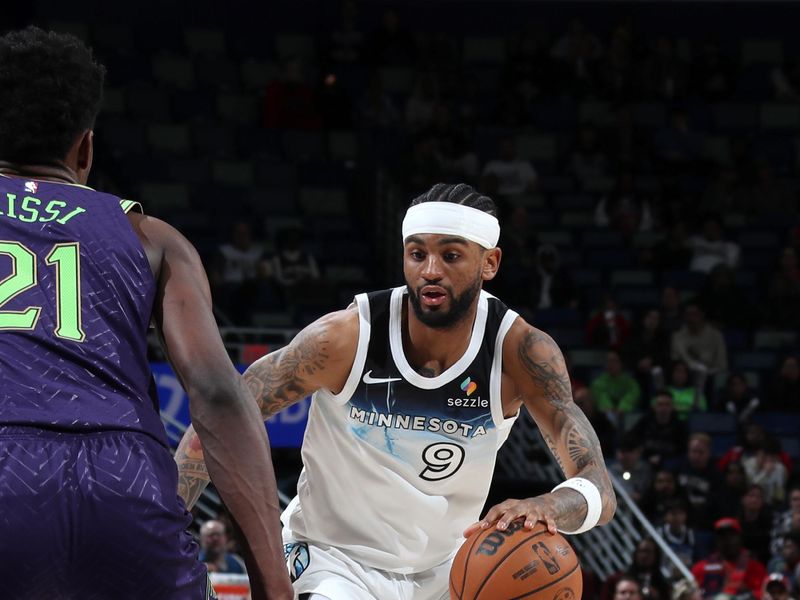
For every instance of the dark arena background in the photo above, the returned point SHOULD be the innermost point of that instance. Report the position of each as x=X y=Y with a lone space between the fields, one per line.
x=645 y=158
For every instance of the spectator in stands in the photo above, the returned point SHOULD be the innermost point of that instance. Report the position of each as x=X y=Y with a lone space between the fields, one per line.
x=700 y=479
x=687 y=397
x=618 y=67
x=664 y=490
x=784 y=391
x=734 y=486
x=665 y=74
x=787 y=561
x=712 y=74
x=346 y=42
x=787 y=522
x=671 y=313
x=587 y=161
x=785 y=79
x=377 y=109
x=293 y=266
x=771 y=195
x=290 y=102
x=766 y=469
x=678 y=146
x=678 y=535
x=606 y=432
x=727 y=305
x=663 y=433
x=422 y=103
x=550 y=283
x=738 y=398
x=626 y=142
x=333 y=103
x=214 y=549
x=730 y=569
x=700 y=345
x=239 y=273
x=627 y=588
x=776 y=587
x=686 y=590
x=579 y=51
x=755 y=517
x=672 y=253
x=515 y=176
x=784 y=291
x=457 y=160
x=632 y=471
x=645 y=570
x=624 y=209
x=753 y=439
x=616 y=392
x=391 y=45
x=711 y=249
x=608 y=327
x=648 y=351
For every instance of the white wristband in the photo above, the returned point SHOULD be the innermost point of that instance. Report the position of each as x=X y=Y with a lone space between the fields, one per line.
x=594 y=504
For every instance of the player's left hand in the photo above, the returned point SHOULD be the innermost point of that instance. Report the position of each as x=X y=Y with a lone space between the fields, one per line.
x=541 y=508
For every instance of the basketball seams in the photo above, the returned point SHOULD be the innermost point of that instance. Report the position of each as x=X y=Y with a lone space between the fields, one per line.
x=466 y=564
x=539 y=589
x=499 y=561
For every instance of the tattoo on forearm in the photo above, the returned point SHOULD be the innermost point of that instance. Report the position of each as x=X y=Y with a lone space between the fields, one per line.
x=580 y=451
x=280 y=379
x=543 y=361
x=192 y=473
x=554 y=451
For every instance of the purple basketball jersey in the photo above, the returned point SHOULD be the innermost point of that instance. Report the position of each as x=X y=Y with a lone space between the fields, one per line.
x=76 y=295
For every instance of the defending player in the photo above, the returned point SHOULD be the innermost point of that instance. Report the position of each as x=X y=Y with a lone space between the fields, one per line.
x=416 y=388
x=88 y=502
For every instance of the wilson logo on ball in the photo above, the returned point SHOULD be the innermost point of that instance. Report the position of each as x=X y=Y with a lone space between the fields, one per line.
x=492 y=542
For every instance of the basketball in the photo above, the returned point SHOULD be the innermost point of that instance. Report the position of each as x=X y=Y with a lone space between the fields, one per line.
x=516 y=563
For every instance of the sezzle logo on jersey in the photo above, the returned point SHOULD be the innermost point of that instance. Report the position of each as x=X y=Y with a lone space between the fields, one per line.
x=469 y=387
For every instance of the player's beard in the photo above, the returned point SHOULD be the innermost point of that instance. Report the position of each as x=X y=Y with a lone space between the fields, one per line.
x=459 y=306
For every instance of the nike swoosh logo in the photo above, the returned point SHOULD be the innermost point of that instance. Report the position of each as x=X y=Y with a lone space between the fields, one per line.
x=368 y=379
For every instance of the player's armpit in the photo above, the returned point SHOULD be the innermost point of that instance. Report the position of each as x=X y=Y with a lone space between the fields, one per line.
x=540 y=373
x=320 y=356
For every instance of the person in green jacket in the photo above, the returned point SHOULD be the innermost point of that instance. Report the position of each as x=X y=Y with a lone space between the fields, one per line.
x=686 y=397
x=616 y=392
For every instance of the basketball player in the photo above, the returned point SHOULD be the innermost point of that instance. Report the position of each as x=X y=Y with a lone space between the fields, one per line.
x=415 y=389
x=88 y=488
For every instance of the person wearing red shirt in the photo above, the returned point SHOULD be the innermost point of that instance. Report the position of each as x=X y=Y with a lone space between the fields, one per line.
x=730 y=569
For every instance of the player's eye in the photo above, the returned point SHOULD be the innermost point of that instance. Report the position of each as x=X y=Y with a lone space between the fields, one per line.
x=417 y=254
x=451 y=256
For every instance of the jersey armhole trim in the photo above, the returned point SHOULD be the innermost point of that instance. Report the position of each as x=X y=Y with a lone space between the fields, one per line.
x=364 y=327
x=496 y=377
x=131 y=205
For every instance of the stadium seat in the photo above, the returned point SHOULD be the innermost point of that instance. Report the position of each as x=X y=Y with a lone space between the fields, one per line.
x=632 y=278
x=303 y=146
x=323 y=201
x=768 y=51
x=568 y=338
x=484 y=50
x=598 y=113
x=195 y=171
x=754 y=360
x=256 y=74
x=342 y=146
x=212 y=139
x=237 y=108
x=289 y=45
x=563 y=317
x=775 y=340
x=174 y=72
x=587 y=358
x=556 y=237
x=163 y=198
x=536 y=147
x=167 y=138
x=217 y=73
x=775 y=115
x=650 y=116
x=783 y=424
x=205 y=41
x=148 y=103
x=712 y=423
x=233 y=172
x=735 y=117
x=736 y=340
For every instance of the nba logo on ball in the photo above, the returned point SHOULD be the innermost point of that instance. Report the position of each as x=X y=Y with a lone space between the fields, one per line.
x=469 y=386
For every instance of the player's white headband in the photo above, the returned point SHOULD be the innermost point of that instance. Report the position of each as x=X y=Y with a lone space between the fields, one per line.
x=449 y=218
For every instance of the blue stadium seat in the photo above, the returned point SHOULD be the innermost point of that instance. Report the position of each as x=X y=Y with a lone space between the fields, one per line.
x=564 y=317
x=754 y=360
x=783 y=424
x=713 y=423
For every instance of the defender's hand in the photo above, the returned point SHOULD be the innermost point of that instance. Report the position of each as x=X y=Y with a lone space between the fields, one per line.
x=541 y=508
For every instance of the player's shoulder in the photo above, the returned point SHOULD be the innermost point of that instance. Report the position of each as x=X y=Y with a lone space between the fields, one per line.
x=338 y=329
x=526 y=340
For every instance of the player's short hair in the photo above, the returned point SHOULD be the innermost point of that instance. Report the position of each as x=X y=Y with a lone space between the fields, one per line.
x=458 y=193
x=52 y=90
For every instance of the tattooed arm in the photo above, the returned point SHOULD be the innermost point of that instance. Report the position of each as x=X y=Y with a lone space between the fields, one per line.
x=535 y=366
x=320 y=356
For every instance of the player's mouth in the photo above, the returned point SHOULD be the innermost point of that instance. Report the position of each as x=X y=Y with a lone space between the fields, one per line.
x=432 y=295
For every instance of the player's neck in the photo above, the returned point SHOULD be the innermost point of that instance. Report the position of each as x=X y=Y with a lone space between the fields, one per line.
x=56 y=172
x=435 y=350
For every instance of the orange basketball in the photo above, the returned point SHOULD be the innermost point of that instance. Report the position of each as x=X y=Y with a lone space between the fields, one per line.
x=516 y=563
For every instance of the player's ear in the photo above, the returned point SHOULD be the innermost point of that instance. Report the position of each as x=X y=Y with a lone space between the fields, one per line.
x=84 y=155
x=491 y=262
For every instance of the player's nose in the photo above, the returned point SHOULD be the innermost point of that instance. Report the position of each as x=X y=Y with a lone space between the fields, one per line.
x=432 y=268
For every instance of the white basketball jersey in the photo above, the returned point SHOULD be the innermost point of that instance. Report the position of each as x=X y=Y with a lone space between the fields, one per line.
x=397 y=465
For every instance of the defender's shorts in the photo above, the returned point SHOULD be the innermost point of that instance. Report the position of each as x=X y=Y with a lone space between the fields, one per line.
x=317 y=568
x=93 y=516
